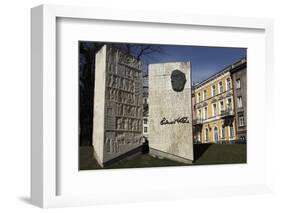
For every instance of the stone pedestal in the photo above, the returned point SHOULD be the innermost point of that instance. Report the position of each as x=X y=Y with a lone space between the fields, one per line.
x=117 y=127
x=170 y=111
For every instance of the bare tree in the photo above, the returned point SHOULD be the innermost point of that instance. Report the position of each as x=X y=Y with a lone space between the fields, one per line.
x=140 y=50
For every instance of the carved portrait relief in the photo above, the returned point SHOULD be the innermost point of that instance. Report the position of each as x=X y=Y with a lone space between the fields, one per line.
x=178 y=80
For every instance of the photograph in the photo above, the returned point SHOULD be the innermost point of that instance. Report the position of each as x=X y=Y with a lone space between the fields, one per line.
x=160 y=105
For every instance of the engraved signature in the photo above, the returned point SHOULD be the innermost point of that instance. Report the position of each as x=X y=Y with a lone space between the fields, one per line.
x=183 y=120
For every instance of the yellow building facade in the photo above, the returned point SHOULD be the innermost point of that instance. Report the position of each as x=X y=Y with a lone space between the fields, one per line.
x=213 y=117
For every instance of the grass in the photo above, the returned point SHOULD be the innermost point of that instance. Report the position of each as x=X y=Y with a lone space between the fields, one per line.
x=219 y=153
x=204 y=154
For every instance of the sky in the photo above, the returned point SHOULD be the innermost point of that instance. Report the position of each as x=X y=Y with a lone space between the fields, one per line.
x=205 y=61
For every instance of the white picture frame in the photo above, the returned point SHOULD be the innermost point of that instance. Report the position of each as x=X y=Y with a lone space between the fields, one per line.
x=44 y=148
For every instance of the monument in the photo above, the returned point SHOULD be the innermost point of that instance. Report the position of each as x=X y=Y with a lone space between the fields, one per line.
x=118 y=113
x=170 y=111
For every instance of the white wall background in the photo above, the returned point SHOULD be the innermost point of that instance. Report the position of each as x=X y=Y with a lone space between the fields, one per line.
x=15 y=105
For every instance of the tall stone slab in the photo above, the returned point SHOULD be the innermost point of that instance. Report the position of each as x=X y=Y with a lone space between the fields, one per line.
x=117 y=128
x=170 y=111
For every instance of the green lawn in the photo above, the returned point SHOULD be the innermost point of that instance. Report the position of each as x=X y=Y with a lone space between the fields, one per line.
x=219 y=153
x=203 y=154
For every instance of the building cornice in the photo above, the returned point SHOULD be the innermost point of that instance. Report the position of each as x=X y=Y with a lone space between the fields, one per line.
x=231 y=68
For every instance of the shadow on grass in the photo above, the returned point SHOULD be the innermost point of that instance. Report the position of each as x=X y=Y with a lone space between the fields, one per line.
x=204 y=154
x=86 y=158
x=140 y=160
x=199 y=150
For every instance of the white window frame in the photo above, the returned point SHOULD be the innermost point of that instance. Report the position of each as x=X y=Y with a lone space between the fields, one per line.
x=227 y=87
x=198 y=97
x=199 y=114
x=220 y=85
x=238 y=83
x=205 y=113
x=206 y=135
x=229 y=106
x=239 y=102
x=221 y=106
x=239 y=120
x=205 y=95
x=215 y=109
x=213 y=90
x=223 y=132
x=218 y=132
x=229 y=132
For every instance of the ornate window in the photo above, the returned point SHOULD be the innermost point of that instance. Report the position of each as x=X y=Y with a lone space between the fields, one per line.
x=239 y=102
x=228 y=84
x=199 y=114
x=214 y=90
x=229 y=104
x=204 y=95
x=241 y=120
x=221 y=106
x=198 y=98
x=206 y=135
x=238 y=83
x=214 y=109
x=205 y=113
x=231 y=131
x=220 y=87
x=216 y=135
x=222 y=132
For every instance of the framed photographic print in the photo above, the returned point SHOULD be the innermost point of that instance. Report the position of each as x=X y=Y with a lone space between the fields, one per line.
x=147 y=106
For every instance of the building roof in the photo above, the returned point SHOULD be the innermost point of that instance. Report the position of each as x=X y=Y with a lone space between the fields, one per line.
x=233 y=67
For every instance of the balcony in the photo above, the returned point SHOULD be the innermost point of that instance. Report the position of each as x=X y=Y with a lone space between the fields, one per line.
x=229 y=93
x=227 y=113
x=220 y=97
x=198 y=122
